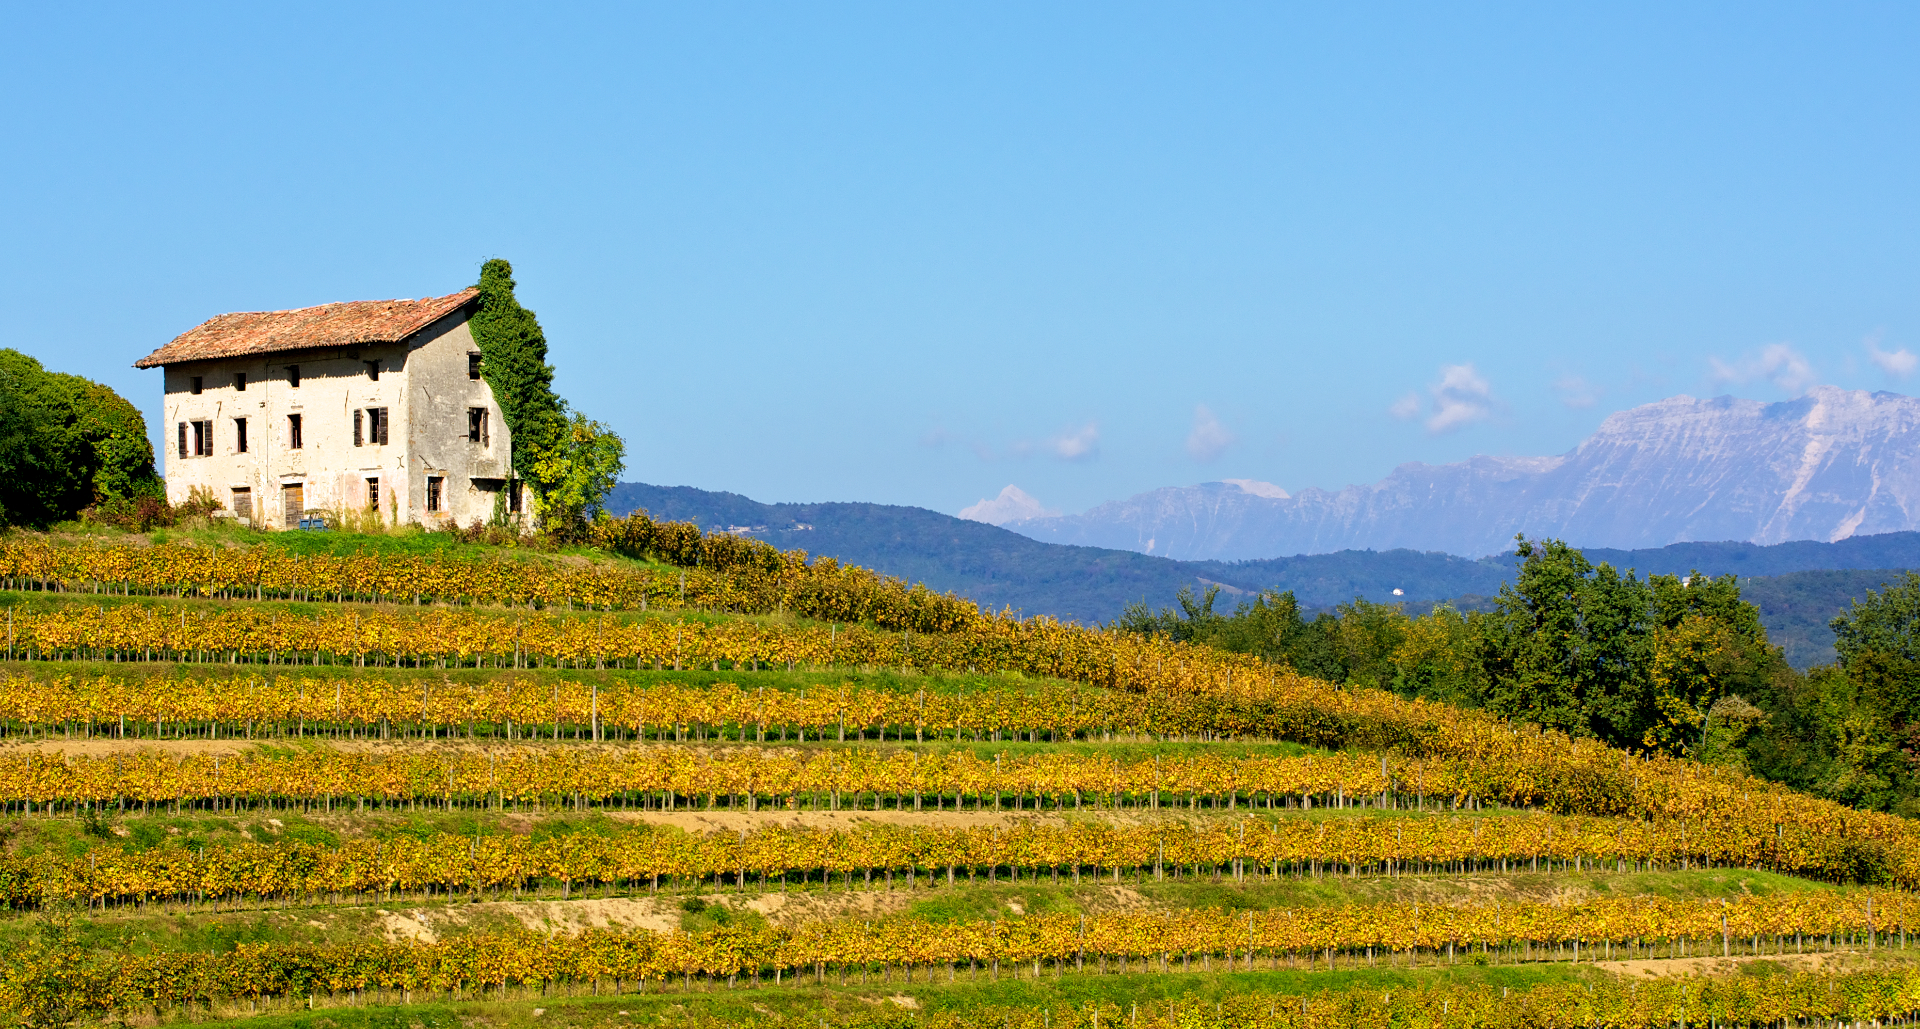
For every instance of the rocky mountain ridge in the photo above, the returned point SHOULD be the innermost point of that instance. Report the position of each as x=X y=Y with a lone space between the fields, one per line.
x=1826 y=466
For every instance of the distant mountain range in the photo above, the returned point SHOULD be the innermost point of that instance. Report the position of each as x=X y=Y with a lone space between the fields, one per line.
x=998 y=568
x=1828 y=466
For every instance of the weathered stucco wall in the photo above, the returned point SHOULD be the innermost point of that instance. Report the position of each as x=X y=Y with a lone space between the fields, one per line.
x=424 y=386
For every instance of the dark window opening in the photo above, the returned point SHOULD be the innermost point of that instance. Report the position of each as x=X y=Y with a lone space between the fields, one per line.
x=373 y=494
x=473 y=365
x=193 y=385
x=513 y=495
x=240 y=435
x=202 y=438
x=373 y=370
x=293 y=376
x=240 y=382
x=294 y=440
x=356 y=427
x=377 y=426
x=477 y=425
x=433 y=492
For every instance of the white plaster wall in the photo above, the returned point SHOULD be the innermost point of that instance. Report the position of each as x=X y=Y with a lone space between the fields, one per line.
x=438 y=394
x=424 y=386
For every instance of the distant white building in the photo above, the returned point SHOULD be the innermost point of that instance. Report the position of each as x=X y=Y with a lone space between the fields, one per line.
x=373 y=404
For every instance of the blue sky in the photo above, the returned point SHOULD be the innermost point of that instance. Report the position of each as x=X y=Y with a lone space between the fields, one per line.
x=911 y=253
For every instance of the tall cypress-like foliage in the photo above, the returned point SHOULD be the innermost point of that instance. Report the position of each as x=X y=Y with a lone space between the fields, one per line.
x=569 y=461
x=513 y=361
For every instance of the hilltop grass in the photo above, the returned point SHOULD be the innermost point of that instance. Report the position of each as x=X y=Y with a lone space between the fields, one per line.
x=411 y=540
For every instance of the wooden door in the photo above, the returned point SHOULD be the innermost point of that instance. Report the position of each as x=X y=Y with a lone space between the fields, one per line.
x=294 y=494
x=243 y=506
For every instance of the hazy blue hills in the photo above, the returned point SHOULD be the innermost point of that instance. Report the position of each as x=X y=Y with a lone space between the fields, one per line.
x=1091 y=584
x=1798 y=586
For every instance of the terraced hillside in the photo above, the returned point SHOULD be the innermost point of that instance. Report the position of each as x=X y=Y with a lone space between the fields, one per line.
x=333 y=783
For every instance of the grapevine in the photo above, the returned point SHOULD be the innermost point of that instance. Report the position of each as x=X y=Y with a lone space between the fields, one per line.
x=644 y=859
x=1384 y=934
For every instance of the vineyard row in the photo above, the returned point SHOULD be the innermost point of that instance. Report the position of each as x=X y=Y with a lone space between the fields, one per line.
x=447 y=638
x=1758 y=830
x=283 y=703
x=710 y=579
x=642 y=859
x=916 y=950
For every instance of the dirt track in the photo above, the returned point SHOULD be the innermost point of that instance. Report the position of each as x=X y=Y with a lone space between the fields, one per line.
x=1721 y=966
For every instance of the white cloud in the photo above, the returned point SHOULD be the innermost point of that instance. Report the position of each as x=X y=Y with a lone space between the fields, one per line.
x=1209 y=438
x=1778 y=363
x=1012 y=505
x=1897 y=363
x=1576 y=392
x=1461 y=397
x=1082 y=444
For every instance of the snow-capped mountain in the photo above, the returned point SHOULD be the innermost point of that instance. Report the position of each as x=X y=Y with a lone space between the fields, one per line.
x=1831 y=464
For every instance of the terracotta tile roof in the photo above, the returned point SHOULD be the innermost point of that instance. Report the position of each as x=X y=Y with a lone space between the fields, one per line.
x=329 y=325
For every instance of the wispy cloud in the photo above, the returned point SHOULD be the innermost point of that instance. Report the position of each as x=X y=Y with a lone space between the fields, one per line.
x=1576 y=392
x=1208 y=438
x=1082 y=444
x=1897 y=363
x=1777 y=363
x=1461 y=397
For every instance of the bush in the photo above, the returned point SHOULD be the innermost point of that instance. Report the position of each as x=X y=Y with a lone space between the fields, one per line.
x=148 y=511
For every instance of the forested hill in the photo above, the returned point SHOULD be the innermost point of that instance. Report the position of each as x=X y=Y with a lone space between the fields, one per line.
x=1796 y=607
x=999 y=568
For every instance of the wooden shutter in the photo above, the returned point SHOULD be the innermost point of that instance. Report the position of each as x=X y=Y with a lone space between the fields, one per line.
x=183 y=439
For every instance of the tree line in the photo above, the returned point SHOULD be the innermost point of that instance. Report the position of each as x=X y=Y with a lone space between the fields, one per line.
x=1677 y=665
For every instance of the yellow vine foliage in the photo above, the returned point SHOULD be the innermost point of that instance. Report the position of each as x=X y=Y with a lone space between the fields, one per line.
x=759 y=581
x=1774 y=827
x=117 y=982
x=644 y=857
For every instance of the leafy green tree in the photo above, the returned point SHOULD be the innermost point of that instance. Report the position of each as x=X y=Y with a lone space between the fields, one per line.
x=1270 y=626
x=66 y=443
x=570 y=462
x=1851 y=731
x=575 y=464
x=1194 y=622
x=1437 y=658
x=1568 y=647
x=1727 y=727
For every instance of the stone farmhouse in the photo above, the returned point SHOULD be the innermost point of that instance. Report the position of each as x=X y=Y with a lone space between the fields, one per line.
x=367 y=406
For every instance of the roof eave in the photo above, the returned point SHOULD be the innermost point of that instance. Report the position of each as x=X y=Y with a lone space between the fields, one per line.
x=157 y=360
